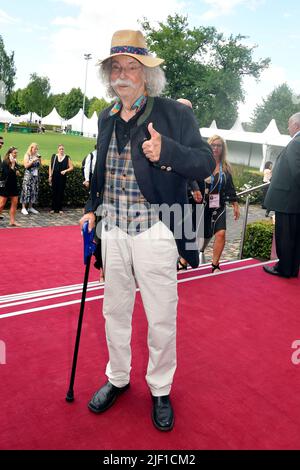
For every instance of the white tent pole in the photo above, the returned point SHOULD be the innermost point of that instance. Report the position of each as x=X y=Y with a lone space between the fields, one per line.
x=250 y=153
x=264 y=151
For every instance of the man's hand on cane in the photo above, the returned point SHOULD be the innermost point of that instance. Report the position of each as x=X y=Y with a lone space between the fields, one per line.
x=90 y=218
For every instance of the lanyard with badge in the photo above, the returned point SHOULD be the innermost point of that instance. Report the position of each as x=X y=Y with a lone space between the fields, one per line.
x=214 y=199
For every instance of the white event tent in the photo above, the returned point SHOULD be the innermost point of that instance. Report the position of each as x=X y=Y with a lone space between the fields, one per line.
x=6 y=116
x=29 y=117
x=89 y=126
x=76 y=121
x=250 y=148
x=53 y=119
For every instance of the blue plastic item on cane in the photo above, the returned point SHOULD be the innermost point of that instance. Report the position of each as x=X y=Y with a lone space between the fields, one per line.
x=89 y=246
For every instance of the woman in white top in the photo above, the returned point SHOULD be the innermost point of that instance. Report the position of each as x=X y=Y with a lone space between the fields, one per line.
x=30 y=186
x=266 y=179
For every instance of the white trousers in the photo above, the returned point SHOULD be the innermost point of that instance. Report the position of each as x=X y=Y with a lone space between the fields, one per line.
x=147 y=260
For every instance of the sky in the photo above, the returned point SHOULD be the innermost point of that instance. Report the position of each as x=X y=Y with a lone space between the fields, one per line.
x=50 y=37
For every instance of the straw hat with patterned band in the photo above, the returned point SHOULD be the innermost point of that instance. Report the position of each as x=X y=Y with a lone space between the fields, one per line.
x=133 y=44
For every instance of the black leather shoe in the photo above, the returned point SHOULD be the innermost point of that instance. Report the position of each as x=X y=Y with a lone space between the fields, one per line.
x=105 y=397
x=273 y=270
x=162 y=413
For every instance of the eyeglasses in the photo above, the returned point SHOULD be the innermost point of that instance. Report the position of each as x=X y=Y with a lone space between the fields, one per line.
x=217 y=146
x=131 y=69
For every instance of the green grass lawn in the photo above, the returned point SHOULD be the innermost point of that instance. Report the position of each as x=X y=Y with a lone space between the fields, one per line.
x=75 y=146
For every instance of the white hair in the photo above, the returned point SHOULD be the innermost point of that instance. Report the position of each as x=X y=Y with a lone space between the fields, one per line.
x=295 y=118
x=154 y=77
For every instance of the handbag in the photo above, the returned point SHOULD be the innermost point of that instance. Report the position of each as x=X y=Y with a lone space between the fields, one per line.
x=2 y=181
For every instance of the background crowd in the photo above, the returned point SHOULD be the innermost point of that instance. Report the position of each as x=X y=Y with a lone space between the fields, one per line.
x=26 y=191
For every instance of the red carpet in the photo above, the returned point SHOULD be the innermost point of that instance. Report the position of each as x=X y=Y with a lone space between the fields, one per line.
x=42 y=257
x=235 y=386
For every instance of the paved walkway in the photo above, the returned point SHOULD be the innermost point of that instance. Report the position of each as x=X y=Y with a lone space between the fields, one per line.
x=234 y=231
x=72 y=216
x=44 y=218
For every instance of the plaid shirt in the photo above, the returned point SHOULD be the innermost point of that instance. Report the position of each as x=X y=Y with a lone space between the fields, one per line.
x=124 y=204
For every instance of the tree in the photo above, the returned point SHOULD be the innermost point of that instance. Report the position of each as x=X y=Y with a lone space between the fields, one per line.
x=97 y=104
x=7 y=71
x=203 y=66
x=55 y=101
x=279 y=105
x=15 y=102
x=71 y=103
x=36 y=95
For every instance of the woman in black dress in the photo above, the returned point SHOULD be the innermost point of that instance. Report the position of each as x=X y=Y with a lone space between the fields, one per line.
x=9 y=184
x=216 y=191
x=61 y=164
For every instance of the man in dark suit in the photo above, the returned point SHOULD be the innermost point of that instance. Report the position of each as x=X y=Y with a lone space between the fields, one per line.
x=147 y=149
x=283 y=197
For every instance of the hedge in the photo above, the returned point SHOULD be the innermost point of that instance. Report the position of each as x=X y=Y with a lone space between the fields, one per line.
x=30 y=127
x=258 y=240
x=245 y=178
x=76 y=194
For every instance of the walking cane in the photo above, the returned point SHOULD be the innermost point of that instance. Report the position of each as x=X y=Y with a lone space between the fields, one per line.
x=89 y=247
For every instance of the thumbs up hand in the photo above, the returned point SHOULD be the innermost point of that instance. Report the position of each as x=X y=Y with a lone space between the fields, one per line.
x=152 y=147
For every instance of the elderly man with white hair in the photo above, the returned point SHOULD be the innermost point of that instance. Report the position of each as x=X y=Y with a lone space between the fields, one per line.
x=283 y=197
x=148 y=147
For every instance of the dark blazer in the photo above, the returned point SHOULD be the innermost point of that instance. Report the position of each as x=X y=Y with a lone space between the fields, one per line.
x=184 y=155
x=284 y=190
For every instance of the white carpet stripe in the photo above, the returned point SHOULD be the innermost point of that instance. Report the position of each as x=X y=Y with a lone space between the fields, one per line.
x=90 y=299
x=53 y=290
x=37 y=293
x=55 y=296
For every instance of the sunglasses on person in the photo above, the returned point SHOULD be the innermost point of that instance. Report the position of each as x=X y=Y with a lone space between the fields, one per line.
x=217 y=146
